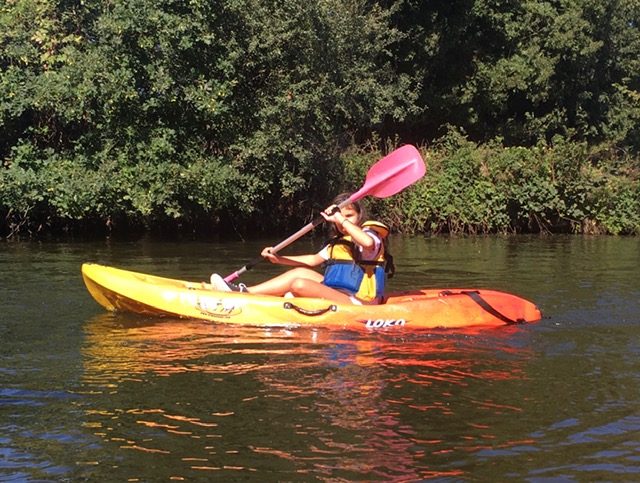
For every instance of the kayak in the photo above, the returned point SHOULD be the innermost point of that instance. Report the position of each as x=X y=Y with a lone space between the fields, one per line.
x=126 y=291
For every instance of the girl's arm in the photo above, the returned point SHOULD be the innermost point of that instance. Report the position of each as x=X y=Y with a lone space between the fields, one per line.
x=294 y=261
x=350 y=228
x=358 y=235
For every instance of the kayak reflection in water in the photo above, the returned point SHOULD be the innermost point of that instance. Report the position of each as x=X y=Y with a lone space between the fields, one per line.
x=356 y=262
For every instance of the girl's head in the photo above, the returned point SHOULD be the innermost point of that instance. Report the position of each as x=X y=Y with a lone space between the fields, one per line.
x=355 y=211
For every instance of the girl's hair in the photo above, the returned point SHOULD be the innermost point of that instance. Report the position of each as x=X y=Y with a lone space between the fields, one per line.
x=356 y=205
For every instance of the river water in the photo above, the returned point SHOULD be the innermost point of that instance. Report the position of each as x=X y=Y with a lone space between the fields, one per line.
x=90 y=396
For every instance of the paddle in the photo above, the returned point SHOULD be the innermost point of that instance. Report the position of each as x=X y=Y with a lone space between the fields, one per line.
x=390 y=175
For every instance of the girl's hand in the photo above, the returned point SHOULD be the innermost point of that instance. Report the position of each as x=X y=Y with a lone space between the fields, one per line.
x=269 y=255
x=333 y=214
x=347 y=223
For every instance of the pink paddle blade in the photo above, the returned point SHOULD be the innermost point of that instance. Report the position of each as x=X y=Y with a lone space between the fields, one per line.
x=392 y=174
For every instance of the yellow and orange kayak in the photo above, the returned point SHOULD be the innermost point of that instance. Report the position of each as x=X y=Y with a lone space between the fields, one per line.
x=123 y=290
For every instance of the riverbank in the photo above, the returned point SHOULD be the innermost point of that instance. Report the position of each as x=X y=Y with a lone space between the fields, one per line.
x=469 y=188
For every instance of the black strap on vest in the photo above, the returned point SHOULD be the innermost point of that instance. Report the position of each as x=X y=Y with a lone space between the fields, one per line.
x=370 y=263
x=477 y=298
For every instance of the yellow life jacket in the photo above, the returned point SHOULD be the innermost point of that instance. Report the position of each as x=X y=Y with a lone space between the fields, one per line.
x=364 y=278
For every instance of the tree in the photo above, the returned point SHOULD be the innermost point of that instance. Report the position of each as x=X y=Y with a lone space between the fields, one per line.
x=526 y=70
x=187 y=109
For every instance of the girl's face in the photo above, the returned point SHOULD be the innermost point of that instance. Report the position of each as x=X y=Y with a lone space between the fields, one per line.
x=350 y=213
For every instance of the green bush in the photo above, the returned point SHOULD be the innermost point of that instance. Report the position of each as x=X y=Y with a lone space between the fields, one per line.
x=152 y=113
x=563 y=187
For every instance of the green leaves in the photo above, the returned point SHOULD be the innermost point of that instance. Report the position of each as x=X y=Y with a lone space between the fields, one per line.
x=182 y=111
x=565 y=186
x=526 y=70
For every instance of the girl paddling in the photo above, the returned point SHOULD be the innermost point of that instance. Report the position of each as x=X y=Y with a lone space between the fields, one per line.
x=356 y=262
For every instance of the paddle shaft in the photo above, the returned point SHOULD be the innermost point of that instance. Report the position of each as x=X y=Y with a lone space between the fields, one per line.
x=285 y=243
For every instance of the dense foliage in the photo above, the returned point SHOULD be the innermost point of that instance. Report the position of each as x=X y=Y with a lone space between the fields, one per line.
x=560 y=186
x=138 y=114
x=527 y=70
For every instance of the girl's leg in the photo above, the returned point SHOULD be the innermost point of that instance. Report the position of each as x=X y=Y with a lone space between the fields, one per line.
x=281 y=284
x=304 y=287
x=301 y=282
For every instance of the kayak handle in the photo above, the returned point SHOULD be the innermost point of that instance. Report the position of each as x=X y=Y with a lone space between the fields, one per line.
x=300 y=310
x=477 y=298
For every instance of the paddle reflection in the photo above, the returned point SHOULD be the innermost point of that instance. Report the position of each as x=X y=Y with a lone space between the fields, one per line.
x=329 y=403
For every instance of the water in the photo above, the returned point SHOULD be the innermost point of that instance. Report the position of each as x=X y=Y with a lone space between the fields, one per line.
x=90 y=396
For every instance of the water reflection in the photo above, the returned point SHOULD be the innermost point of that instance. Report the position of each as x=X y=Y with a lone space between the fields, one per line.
x=332 y=404
x=109 y=398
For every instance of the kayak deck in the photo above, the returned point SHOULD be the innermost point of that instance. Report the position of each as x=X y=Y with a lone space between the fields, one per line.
x=122 y=290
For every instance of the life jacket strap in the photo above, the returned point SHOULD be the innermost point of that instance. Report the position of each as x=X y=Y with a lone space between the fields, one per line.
x=351 y=262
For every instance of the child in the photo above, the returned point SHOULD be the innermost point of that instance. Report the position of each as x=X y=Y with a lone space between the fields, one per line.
x=356 y=262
